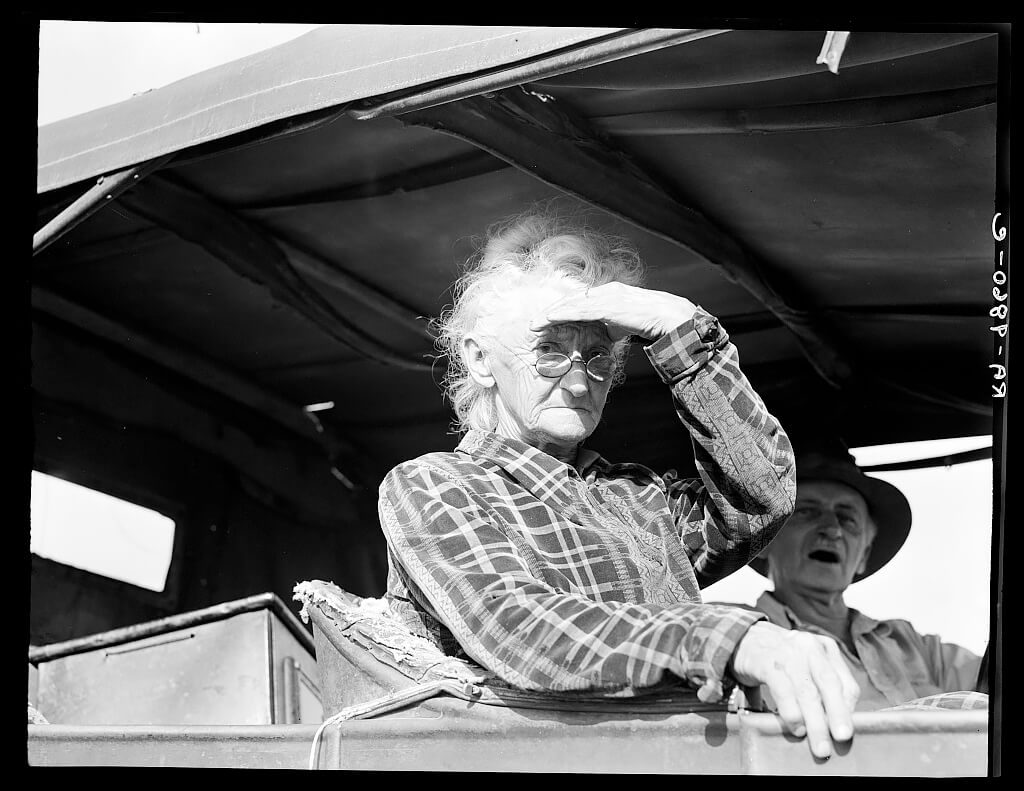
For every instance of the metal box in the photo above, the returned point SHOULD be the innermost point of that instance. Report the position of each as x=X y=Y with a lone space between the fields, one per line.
x=248 y=662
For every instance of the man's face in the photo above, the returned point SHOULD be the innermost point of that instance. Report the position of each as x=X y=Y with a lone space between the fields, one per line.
x=553 y=414
x=826 y=541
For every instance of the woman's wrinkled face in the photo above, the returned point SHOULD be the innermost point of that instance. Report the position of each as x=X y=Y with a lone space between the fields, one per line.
x=553 y=414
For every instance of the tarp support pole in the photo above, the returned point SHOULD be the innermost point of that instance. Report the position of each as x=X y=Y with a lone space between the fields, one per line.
x=92 y=200
x=591 y=54
x=964 y=456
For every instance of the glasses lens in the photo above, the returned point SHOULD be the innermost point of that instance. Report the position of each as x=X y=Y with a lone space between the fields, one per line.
x=553 y=364
x=601 y=367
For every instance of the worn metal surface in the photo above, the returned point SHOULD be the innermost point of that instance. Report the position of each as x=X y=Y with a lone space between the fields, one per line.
x=227 y=671
x=443 y=735
x=940 y=743
x=446 y=735
x=296 y=684
x=260 y=601
x=239 y=747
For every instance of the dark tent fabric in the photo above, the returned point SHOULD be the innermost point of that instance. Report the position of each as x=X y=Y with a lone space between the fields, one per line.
x=296 y=242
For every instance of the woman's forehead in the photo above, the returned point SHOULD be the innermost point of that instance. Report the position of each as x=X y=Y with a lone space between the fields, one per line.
x=528 y=296
x=582 y=330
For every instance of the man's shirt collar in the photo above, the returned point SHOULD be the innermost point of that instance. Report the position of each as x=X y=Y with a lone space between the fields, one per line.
x=781 y=614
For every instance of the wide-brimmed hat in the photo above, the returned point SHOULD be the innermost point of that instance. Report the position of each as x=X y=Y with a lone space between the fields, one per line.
x=890 y=509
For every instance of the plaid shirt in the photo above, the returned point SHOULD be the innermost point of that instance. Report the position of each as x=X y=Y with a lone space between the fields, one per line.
x=893 y=663
x=588 y=577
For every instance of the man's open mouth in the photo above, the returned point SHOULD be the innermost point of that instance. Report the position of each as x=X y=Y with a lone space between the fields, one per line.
x=825 y=556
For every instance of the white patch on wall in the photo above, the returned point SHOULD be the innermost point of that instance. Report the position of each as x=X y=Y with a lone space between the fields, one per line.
x=93 y=531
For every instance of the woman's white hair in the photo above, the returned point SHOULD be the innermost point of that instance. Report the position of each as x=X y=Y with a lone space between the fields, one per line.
x=525 y=250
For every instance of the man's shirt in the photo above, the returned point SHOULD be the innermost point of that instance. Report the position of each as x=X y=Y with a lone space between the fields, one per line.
x=893 y=663
x=588 y=577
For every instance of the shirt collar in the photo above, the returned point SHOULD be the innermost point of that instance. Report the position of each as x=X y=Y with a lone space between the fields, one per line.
x=863 y=624
x=523 y=462
x=588 y=461
x=780 y=613
x=776 y=611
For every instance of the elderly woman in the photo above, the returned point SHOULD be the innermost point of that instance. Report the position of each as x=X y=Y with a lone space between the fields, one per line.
x=560 y=570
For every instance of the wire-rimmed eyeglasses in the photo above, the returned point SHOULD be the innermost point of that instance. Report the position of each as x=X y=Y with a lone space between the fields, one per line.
x=552 y=365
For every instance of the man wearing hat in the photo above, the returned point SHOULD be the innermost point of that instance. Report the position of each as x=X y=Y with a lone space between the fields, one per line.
x=845 y=527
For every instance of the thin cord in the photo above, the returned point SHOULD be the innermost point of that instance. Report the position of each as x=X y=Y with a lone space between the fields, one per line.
x=466 y=691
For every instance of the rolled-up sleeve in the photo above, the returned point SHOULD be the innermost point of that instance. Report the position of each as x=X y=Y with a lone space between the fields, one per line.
x=954 y=667
x=476 y=574
x=747 y=485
